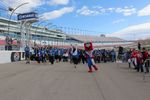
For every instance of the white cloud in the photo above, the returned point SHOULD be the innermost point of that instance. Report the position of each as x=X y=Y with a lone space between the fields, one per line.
x=98 y=10
x=87 y=12
x=111 y=10
x=118 y=21
x=59 y=2
x=141 y=31
x=126 y=11
x=57 y=13
x=97 y=7
x=145 y=11
x=32 y=4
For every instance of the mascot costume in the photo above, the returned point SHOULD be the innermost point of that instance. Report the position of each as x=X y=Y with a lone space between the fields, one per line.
x=89 y=56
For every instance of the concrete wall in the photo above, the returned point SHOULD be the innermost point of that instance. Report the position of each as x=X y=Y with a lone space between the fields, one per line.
x=11 y=56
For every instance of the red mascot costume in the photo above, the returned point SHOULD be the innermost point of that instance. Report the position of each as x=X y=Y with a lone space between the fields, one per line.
x=89 y=56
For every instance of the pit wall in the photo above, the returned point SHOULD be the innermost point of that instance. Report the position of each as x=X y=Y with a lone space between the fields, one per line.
x=11 y=56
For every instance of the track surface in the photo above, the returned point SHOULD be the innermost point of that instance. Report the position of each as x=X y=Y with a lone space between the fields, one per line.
x=61 y=81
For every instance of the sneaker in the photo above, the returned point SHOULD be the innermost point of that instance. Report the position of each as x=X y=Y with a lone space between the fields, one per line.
x=75 y=66
x=90 y=71
x=95 y=68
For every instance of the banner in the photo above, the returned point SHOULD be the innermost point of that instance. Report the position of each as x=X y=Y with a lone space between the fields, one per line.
x=30 y=15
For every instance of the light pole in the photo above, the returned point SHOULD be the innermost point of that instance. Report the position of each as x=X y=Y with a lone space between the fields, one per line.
x=53 y=26
x=23 y=38
x=58 y=30
x=45 y=29
x=12 y=11
x=46 y=26
x=38 y=27
x=64 y=31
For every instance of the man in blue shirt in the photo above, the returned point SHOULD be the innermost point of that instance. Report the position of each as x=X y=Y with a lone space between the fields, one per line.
x=27 y=54
x=51 y=54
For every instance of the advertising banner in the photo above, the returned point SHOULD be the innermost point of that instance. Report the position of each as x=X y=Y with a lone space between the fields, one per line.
x=30 y=15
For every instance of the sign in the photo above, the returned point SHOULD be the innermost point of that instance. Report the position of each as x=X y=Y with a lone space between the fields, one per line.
x=15 y=56
x=30 y=15
x=11 y=56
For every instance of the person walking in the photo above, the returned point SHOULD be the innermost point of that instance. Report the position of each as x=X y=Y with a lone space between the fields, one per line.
x=139 y=61
x=145 y=60
x=27 y=54
x=75 y=56
x=51 y=54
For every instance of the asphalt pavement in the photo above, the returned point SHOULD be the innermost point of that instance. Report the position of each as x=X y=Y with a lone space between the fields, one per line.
x=61 y=81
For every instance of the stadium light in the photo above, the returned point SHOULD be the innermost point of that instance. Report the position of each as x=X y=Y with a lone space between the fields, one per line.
x=46 y=26
x=53 y=26
x=12 y=11
x=38 y=27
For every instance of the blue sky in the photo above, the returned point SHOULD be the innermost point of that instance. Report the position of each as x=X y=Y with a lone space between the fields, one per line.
x=127 y=19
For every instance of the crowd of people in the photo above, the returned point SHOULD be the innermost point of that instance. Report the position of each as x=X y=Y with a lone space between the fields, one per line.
x=53 y=55
x=139 y=59
x=104 y=55
x=74 y=55
x=42 y=54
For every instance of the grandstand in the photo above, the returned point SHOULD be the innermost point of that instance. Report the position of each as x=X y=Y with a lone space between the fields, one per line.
x=97 y=38
x=42 y=36
x=38 y=34
x=101 y=41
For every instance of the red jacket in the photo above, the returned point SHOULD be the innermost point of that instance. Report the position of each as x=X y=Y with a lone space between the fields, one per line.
x=134 y=54
x=145 y=55
x=139 y=57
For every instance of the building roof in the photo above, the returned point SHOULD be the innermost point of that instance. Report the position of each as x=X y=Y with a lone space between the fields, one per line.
x=147 y=41
x=96 y=38
x=15 y=27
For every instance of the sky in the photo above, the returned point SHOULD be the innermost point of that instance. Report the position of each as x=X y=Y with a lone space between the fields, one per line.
x=126 y=19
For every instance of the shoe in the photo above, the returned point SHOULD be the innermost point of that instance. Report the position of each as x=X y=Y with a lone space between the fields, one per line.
x=75 y=66
x=95 y=67
x=27 y=62
x=90 y=70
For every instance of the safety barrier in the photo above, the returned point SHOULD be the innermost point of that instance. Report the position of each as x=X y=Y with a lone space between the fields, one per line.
x=11 y=56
